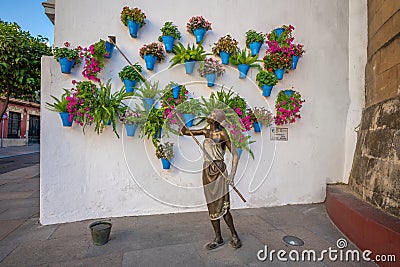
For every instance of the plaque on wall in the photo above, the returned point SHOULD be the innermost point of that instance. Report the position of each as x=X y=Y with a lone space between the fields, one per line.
x=279 y=134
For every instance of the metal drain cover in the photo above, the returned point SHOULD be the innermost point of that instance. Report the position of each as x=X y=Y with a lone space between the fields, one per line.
x=293 y=240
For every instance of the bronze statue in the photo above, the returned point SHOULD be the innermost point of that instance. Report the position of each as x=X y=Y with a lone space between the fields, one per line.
x=215 y=185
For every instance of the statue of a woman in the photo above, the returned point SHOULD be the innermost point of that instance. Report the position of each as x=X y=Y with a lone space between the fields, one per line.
x=215 y=185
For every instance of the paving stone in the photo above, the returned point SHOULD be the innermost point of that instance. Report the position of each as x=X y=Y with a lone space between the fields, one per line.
x=114 y=260
x=19 y=203
x=31 y=230
x=222 y=256
x=5 y=250
x=21 y=173
x=72 y=230
x=18 y=213
x=6 y=227
x=47 y=251
x=15 y=195
x=175 y=255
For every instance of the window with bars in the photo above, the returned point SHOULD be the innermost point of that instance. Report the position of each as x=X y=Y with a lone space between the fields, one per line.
x=14 y=125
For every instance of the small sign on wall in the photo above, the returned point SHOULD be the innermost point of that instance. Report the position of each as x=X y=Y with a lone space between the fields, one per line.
x=279 y=134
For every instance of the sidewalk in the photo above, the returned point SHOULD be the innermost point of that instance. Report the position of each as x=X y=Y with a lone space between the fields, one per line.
x=12 y=151
x=158 y=240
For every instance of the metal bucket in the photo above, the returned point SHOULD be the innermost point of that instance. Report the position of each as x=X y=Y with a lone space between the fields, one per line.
x=100 y=232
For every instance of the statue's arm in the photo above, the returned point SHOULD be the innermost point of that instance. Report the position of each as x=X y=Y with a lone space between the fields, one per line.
x=235 y=157
x=185 y=131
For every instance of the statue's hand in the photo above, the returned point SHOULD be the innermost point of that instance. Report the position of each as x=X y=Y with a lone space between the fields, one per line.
x=229 y=180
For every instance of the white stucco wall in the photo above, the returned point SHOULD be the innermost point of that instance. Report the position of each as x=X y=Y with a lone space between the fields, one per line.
x=91 y=176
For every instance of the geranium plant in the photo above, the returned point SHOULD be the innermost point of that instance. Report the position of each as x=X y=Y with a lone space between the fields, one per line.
x=165 y=151
x=260 y=114
x=66 y=51
x=198 y=22
x=253 y=36
x=225 y=44
x=277 y=60
x=210 y=66
x=134 y=14
x=154 y=49
x=131 y=73
x=288 y=105
x=266 y=77
x=298 y=50
x=133 y=116
x=94 y=60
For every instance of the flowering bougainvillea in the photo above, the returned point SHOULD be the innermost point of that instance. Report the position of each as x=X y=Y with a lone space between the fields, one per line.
x=288 y=105
x=94 y=60
x=80 y=101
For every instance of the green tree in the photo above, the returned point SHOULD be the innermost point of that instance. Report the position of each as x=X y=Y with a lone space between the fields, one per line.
x=20 y=55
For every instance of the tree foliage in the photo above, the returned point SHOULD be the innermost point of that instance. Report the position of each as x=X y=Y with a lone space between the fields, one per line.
x=20 y=55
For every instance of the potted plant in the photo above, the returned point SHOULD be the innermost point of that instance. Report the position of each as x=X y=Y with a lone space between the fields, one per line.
x=198 y=26
x=298 y=52
x=281 y=35
x=225 y=47
x=240 y=140
x=60 y=106
x=153 y=125
x=243 y=61
x=149 y=92
x=189 y=110
x=151 y=53
x=173 y=93
x=134 y=19
x=188 y=56
x=254 y=41
x=278 y=61
x=130 y=75
x=260 y=116
x=133 y=119
x=94 y=60
x=67 y=57
x=165 y=152
x=266 y=80
x=169 y=33
x=288 y=105
x=211 y=69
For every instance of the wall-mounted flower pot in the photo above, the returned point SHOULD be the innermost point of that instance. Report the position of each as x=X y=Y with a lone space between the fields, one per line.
x=131 y=129
x=267 y=89
x=108 y=123
x=148 y=103
x=257 y=127
x=224 y=57
x=189 y=66
x=279 y=31
x=65 y=119
x=166 y=164
x=279 y=73
x=295 y=59
x=199 y=33
x=129 y=85
x=176 y=90
x=255 y=48
x=109 y=49
x=100 y=231
x=239 y=151
x=158 y=134
x=133 y=27
x=150 y=61
x=211 y=79
x=243 y=69
x=288 y=92
x=66 y=64
x=168 y=43
x=188 y=119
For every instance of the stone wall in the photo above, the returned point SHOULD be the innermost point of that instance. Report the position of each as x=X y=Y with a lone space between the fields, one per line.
x=376 y=167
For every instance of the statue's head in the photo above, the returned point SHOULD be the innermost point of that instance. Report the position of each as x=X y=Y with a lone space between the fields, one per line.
x=217 y=115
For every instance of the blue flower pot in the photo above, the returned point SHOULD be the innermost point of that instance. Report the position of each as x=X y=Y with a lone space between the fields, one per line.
x=109 y=49
x=279 y=73
x=199 y=33
x=176 y=90
x=189 y=66
x=66 y=64
x=107 y=122
x=188 y=119
x=158 y=134
x=243 y=69
x=150 y=60
x=211 y=79
x=133 y=27
x=168 y=43
x=166 y=164
x=289 y=92
x=279 y=31
x=224 y=57
x=239 y=151
x=129 y=85
x=295 y=59
x=148 y=103
x=257 y=127
x=130 y=129
x=65 y=119
x=255 y=48
x=267 y=89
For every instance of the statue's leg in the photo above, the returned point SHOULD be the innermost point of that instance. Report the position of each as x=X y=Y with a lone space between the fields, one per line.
x=218 y=241
x=235 y=243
